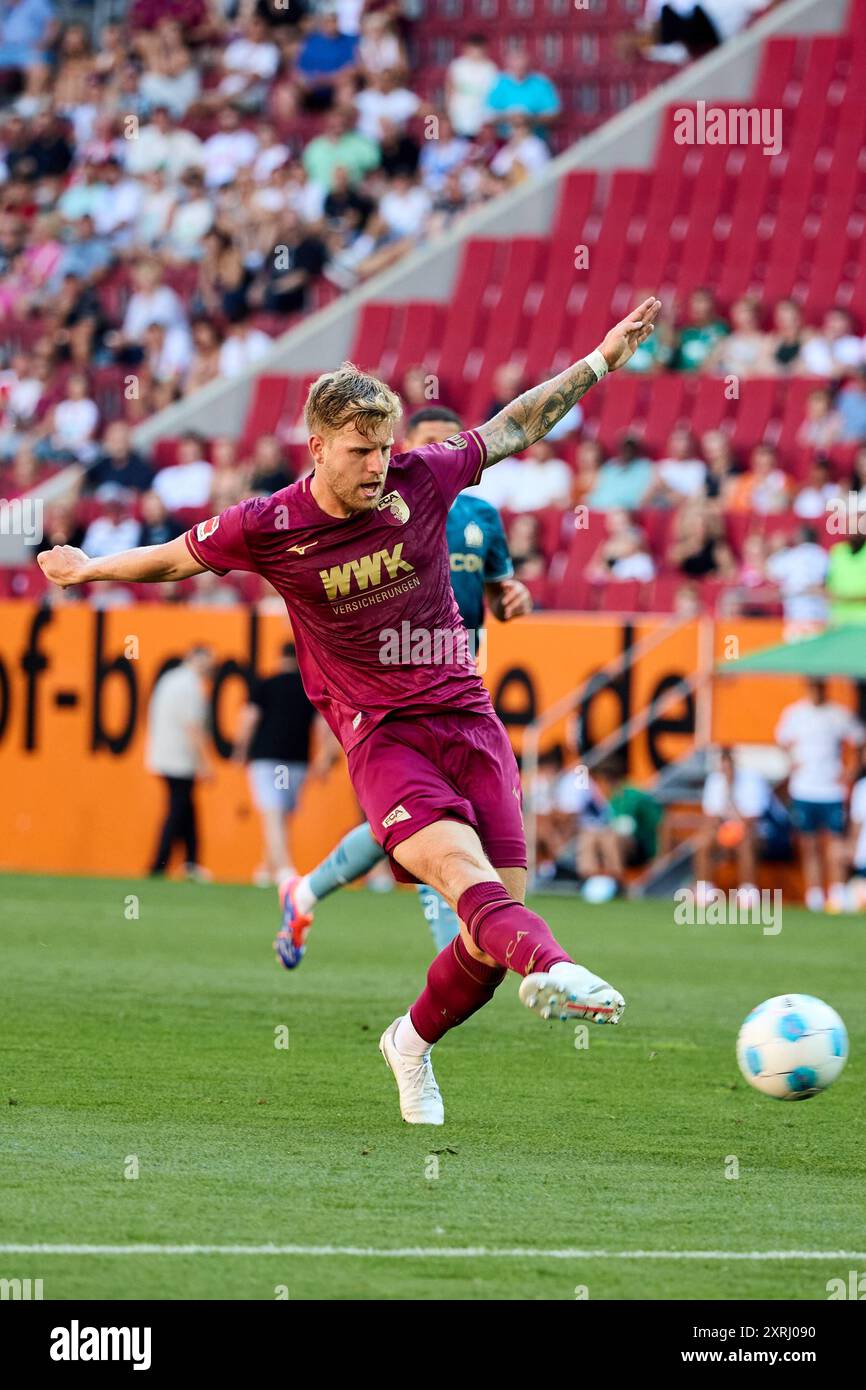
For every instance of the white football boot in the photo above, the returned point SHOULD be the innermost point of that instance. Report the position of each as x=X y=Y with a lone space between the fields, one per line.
x=571 y=992
x=420 y=1100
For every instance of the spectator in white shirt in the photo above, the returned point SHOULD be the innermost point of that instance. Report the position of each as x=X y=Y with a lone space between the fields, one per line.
x=679 y=474
x=152 y=302
x=857 y=810
x=272 y=152
x=162 y=145
x=799 y=569
x=740 y=800
x=243 y=346
x=623 y=555
x=188 y=482
x=229 y=149
x=468 y=83
x=75 y=421
x=539 y=479
x=114 y=531
x=158 y=202
x=119 y=203
x=168 y=351
x=810 y=502
x=191 y=220
x=443 y=155
x=249 y=63
x=406 y=207
x=384 y=100
x=834 y=350
x=523 y=154
x=814 y=732
x=380 y=47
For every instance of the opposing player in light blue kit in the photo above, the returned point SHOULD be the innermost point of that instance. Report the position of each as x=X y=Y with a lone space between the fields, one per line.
x=481 y=575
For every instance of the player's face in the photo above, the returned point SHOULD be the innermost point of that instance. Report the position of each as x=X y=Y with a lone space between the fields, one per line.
x=430 y=432
x=353 y=466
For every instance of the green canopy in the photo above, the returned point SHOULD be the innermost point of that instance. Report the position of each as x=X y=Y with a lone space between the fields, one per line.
x=840 y=651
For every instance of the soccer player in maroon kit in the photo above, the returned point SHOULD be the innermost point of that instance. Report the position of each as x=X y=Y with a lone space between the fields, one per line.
x=358 y=552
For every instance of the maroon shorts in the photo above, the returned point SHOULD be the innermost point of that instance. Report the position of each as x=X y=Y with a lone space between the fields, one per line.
x=410 y=772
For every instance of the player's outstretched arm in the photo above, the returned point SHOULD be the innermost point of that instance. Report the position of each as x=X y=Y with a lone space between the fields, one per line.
x=530 y=416
x=149 y=564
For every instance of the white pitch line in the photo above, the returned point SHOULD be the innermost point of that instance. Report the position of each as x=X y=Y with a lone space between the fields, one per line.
x=420 y=1252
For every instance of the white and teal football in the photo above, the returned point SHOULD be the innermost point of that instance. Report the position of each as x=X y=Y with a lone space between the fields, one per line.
x=600 y=888
x=792 y=1047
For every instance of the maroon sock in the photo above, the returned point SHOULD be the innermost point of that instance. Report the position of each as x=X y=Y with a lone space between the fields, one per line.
x=457 y=986
x=508 y=931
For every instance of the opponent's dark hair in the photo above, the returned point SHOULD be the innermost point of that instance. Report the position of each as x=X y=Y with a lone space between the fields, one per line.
x=428 y=413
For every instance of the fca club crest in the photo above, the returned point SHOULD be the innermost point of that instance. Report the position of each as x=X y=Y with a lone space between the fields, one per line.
x=207 y=528
x=394 y=504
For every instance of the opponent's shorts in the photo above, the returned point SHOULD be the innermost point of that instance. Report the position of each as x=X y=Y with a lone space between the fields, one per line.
x=410 y=772
x=276 y=786
x=809 y=817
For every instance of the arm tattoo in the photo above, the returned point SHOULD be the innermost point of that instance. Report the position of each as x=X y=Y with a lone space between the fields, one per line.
x=530 y=416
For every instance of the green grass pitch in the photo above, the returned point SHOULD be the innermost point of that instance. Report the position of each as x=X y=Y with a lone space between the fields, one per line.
x=148 y=1046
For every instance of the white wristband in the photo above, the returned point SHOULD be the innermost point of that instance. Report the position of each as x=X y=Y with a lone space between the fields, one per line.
x=596 y=360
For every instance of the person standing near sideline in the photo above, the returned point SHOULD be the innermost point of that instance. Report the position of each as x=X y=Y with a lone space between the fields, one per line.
x=814 y=733
x=274 y=740
x=177 y=752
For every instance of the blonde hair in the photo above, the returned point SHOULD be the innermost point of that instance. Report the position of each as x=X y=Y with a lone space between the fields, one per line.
x=349 y=396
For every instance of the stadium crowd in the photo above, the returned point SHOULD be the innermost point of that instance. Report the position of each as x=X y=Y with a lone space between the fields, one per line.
x=185 y=185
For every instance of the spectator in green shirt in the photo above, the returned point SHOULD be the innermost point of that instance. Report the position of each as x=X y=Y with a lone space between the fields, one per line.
x=846 y=581
x=702 y=331
x=635 y=814
x=339 y=147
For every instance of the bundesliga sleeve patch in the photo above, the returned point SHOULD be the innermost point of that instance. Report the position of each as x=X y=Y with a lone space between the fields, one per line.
x=206 y=528
x=457 y=441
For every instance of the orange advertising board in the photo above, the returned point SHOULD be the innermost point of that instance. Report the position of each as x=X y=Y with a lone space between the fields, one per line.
x=75 y=685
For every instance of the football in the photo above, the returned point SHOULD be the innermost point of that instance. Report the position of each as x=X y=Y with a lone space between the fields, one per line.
x=791 y=1047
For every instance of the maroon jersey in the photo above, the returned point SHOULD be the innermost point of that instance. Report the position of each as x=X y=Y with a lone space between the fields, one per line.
x=375 y=623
